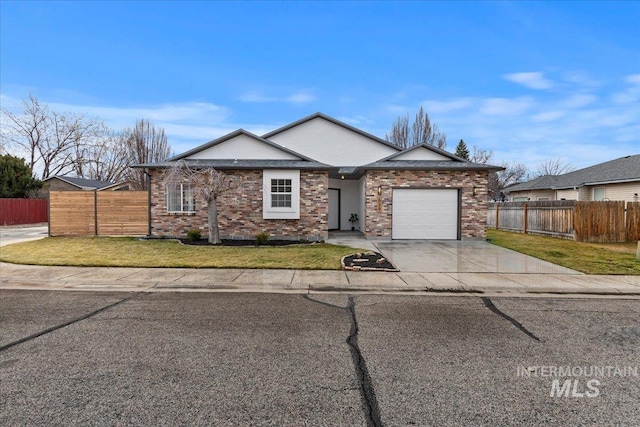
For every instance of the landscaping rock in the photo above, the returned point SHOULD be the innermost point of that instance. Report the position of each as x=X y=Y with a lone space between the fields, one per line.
x=367 y=261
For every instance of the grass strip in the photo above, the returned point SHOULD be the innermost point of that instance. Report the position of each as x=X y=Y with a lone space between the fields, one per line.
x=589 y=258
x=132 y=252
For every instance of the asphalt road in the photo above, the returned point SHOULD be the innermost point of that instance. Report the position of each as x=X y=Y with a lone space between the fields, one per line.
x=273 y=359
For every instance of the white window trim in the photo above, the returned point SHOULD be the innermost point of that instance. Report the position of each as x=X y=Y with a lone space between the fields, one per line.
x=604 y=193
x=269 y=212
x=182 y=205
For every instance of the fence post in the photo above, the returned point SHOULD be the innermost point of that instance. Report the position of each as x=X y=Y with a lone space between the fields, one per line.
x=497 y=216
x=95 y=211
x=525 y=219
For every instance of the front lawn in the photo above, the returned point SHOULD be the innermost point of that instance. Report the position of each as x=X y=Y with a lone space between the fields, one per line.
x=131 y=252
x=590 y=258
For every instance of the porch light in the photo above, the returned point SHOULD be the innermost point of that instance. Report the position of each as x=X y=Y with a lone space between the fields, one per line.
x=341 y=176
x=474 y=190
x=379 y=190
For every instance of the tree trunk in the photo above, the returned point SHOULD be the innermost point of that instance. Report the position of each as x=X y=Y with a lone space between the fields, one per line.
x=214 y=231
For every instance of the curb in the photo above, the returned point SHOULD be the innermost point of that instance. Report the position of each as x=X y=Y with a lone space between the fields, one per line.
x=308 y=288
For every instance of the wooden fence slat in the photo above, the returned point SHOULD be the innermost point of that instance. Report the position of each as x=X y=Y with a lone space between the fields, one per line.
x=87 y=213
x=632 y=222
x=582 y=221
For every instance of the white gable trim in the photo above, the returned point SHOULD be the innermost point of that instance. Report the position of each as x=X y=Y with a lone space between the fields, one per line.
x=421 y=153
x=406 y=154
x=245 y=153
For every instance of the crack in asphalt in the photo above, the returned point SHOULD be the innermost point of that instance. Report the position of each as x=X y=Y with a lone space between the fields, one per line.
x=372 y=411
x=489 y=304
x=367 y=392
x=67 y=323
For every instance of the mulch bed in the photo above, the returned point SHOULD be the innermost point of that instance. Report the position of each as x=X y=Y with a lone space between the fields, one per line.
x=243 y=242
x=367 y=261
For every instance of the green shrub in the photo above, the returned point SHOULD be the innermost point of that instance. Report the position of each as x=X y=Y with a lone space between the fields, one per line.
x=194 y=234
x=262 y=238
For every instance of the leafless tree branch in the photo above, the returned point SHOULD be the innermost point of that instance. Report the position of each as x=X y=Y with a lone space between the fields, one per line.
x=207 y=184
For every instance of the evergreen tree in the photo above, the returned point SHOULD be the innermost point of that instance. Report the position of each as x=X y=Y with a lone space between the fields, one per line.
x=16 y=180
x=462 y=150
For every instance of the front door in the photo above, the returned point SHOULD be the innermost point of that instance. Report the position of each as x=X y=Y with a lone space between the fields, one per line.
x=334 y=209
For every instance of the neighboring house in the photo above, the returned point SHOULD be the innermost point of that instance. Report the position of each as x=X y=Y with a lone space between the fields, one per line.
x=308 y=177
x=613 y=180
x=67 y=183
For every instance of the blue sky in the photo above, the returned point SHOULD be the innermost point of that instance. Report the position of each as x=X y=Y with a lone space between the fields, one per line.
x=529 y=80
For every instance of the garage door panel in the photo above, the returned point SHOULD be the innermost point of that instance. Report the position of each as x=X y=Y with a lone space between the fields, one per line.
x=425 y=214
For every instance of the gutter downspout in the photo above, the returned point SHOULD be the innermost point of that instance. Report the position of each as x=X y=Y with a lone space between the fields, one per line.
x=148 y=175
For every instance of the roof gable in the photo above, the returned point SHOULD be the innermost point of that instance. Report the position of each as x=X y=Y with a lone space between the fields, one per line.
x=423 y=152
x=240 y=145
x=332 y=142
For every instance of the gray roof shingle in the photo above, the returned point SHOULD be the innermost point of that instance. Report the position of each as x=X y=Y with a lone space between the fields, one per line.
x=83 y=182
x=242 y=164
x=451 y=165
x=623 y=169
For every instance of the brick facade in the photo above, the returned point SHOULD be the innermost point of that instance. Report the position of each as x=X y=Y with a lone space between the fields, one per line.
x=240 y=211
x=378 y=208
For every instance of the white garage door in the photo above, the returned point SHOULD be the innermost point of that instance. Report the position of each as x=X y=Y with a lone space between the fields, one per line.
x=425 y=214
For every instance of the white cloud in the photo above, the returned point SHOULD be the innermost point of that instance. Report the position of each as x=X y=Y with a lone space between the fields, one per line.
x=433 y=106
x=548 y=116
x=579 y=101
x=580 y=78
x=532 y=80
x=355 y=120
x=633 y=79
x=300 y=97
x=505 y=106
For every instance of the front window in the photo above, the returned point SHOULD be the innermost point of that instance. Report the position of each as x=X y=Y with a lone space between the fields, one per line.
x=280 y=193
x=180 y=198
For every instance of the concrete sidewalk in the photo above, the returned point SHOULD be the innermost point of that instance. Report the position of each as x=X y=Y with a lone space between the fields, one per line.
x=309 y=281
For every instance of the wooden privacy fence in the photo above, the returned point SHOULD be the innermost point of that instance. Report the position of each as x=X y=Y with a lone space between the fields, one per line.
x=98 y=213
x=23 y=211
x=580 y=221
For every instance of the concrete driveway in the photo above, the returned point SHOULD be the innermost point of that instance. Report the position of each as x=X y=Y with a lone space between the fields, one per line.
x=449 y=256
x=16 y=234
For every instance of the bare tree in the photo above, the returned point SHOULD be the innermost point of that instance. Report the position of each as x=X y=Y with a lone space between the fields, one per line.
x=207 y=184
x=553 y=167
x=512 y=174
x=105 y=160
x=399 y=132
x=50 y=139
x=421 y=131
x=481 y=156
x=145 y=143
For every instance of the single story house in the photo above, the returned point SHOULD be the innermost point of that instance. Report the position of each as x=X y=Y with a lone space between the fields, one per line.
x=617 y=179
x=309 y=177
x=68 y=183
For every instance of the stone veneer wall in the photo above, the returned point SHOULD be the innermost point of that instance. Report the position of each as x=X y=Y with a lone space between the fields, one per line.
x=474 y=208
x=240 y=211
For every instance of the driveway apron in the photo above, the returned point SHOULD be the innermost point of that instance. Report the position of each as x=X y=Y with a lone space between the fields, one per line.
x=448 y=256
